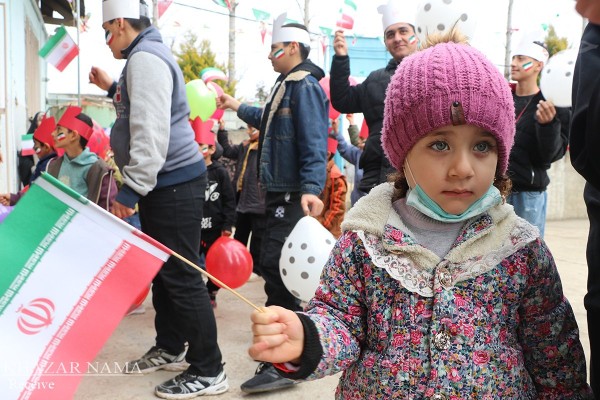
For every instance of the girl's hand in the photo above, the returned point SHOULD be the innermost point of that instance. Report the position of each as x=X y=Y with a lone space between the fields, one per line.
x=278 y=335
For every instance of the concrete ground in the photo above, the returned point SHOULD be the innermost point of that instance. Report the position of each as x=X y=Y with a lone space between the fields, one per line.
x=135 y=334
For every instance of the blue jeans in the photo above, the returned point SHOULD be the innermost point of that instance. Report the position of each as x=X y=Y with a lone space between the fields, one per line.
x=530 y=206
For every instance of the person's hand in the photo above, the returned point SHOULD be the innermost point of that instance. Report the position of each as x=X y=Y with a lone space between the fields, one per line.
x=226 y=101
x=100 y=78
x=545 y=112
x=5 y=199
x=226 y=233
x=221 y=124
x=121 y=211
x=1 y=159
x=278 y=335
x=589 y=9
x=350 y=118
x=311 y=205
x=339 y=44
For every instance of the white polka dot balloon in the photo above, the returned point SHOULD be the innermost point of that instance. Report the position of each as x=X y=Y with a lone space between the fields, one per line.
x=557 y=77
x=438 y=16
x=303 y=257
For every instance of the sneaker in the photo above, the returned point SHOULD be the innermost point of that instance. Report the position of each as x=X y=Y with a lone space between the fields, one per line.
x=155 y=359
x=187 y=386
x=266 y=379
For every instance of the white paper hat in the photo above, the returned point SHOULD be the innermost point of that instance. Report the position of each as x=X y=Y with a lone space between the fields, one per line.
x=395 y=12
x=532 y=46
x=112 y=9
x=288 y=34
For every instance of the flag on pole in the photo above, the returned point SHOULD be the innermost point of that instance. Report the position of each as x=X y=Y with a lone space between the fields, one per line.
x=347 y=13
x=27 y=145
x=60 y=49
x=211 y=74
x=70 y=272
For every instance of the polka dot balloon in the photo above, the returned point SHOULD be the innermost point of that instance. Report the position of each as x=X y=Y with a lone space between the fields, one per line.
x=303 y=257
x=557 y=78
x=438 y=16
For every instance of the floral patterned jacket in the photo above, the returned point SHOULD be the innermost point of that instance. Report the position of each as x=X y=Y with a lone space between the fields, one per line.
x=488 y=321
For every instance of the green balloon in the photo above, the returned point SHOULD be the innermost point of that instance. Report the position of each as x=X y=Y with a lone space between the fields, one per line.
x=202 y=100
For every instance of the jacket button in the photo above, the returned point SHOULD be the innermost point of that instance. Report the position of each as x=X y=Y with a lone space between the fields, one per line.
x=439 y=396
x=445 y=278
x=441 y=341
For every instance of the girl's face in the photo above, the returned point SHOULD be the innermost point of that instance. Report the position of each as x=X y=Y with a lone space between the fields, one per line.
x=454 y=165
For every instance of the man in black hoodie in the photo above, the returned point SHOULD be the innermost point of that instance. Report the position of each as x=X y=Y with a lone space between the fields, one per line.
x=292 y=162
x=584 y=142
x=367 y=97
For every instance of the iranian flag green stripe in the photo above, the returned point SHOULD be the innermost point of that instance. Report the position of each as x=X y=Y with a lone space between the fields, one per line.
x=73 y=271
x=60 y=49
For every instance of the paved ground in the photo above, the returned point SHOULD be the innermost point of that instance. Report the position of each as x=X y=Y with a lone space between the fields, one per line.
x=135 y=334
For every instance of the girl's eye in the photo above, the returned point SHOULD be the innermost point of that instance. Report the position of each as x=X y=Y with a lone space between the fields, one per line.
x=483 y=147
x=439 y=146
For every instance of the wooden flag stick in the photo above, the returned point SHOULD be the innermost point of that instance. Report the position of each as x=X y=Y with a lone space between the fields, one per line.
x=191 y=264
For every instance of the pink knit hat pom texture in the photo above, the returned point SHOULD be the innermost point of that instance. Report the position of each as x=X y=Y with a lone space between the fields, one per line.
x=427 y=83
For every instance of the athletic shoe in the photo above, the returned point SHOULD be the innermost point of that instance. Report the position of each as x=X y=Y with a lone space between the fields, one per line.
x=266 y=379
x=187 y=386
x=155 y=359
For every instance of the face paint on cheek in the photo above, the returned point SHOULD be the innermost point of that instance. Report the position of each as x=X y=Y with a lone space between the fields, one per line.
x=412 y=39
x=37 y=150
x=527 y=66
x=109 y=37
x=60 y=136
x=278 y=54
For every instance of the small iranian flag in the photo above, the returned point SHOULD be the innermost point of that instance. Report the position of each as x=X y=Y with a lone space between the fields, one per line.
x=223 y=3
x=347 y=12
x=70 y=272
x=60 y=49
x=27 y=145
x=211 y=74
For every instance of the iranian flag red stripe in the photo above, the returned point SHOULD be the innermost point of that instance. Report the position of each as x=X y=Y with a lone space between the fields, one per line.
x=71 y=273
x=60 y=49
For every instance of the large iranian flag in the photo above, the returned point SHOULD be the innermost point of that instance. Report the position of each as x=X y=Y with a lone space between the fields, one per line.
x=69 y=273
x=60 y=49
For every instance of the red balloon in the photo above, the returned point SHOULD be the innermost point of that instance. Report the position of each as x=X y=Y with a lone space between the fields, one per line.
x=229 y=261
x=324 y=82
x=139 y=299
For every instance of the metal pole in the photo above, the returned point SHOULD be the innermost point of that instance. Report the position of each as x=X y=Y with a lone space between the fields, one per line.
x=78 y=57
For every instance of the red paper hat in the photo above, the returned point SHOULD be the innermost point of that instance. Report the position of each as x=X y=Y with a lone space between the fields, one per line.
x=43 y=132
x=332 y=145
x=202 y=131
x=69 y=121
x=364 y=130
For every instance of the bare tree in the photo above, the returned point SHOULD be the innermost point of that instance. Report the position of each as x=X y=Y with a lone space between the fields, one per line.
x=509 y=32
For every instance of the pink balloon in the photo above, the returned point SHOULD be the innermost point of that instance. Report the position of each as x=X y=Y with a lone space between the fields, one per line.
x=325 y=82
x=218 y=114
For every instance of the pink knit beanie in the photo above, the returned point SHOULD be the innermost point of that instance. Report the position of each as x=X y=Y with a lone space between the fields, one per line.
x=449 y=83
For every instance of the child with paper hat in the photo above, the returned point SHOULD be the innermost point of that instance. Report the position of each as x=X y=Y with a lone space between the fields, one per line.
x=292 y=161
x=218 y=216
x=44 y=149
x=436 y=289
x=163 y=172
x=78 y=167
x=367 y=97
x=542 y=133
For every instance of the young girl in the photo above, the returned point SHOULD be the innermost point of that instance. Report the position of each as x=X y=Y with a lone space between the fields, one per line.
x=436 y=289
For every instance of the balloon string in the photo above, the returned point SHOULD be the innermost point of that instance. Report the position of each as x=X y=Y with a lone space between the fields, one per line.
x=218 y=281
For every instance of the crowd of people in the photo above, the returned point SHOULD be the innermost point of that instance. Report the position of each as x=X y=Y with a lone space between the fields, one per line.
x=440 y=284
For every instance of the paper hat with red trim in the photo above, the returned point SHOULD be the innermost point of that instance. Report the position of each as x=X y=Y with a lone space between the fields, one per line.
x=69 y=121
x=43 y=132
x=332 y=145
x=202 y=131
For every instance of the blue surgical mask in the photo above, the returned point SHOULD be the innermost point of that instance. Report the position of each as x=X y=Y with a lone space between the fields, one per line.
x=418 y=199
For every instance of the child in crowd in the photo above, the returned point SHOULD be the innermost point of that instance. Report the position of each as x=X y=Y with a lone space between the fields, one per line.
x=43 y=145
x=334 y=194
x=250 y=197
x=78 y=167
x=218 y=214
x=436 y=288
x=352 y=153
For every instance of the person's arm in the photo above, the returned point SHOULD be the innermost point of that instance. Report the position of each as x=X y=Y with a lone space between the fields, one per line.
x=149 y=125
x=100 y=78
x=353 y=133
x=227 y=202
x=552 y=131
x=230 y=151
x=108 y=191
x=348 y=152
x=548 y=331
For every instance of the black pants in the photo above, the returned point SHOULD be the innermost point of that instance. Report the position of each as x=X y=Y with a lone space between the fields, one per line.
x=172 y=215
x=245 y=224
x=592 y=298
x=283 y=212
